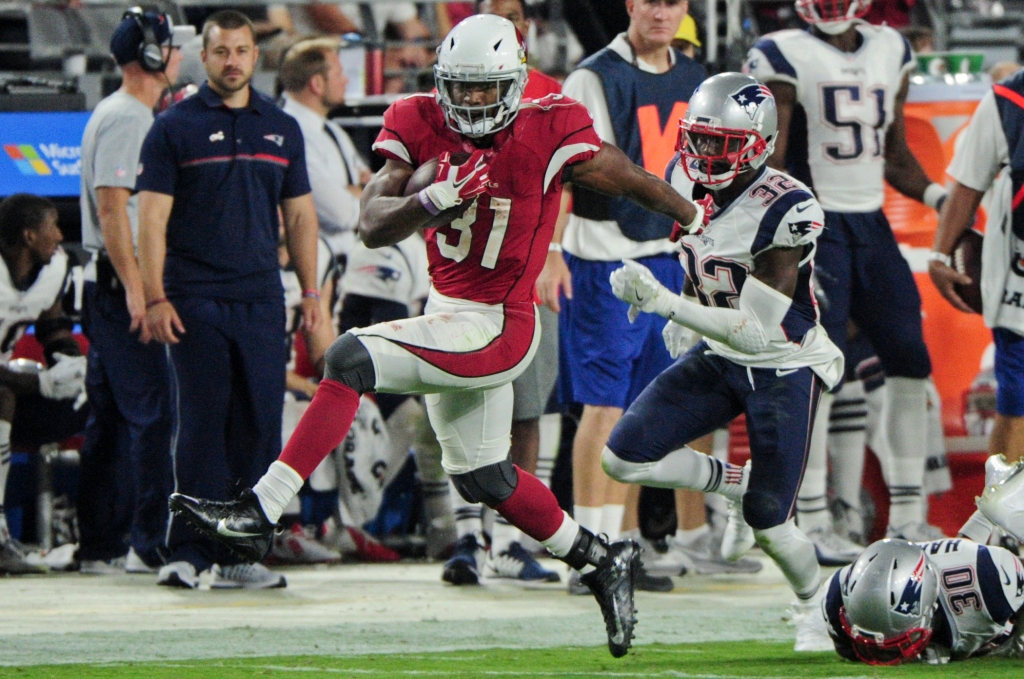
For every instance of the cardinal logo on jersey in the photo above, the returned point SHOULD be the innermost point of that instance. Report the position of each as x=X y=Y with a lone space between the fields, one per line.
x=750 y=98
x=910 y=600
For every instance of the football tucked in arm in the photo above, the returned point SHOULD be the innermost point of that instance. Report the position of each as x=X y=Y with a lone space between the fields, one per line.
x=966 y=258
x=423 y=177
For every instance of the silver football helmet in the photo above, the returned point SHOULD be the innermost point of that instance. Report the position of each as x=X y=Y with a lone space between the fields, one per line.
x=889 y=597
x=480 y=75
x=729 y=128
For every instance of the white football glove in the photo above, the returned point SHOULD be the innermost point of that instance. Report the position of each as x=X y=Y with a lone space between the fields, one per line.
x=65 y=380
x=636 y=285
x=678 y=339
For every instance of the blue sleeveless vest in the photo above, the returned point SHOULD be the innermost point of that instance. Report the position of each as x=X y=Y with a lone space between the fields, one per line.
x=1010 y=101
x=626 y=90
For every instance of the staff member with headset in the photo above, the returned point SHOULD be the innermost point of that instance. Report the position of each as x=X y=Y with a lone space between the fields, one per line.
x=214 y=171
x=127 y=378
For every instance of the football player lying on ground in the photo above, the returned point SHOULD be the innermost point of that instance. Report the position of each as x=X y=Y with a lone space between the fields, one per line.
x=487 y=221
x=954 y=598
x=764 y=353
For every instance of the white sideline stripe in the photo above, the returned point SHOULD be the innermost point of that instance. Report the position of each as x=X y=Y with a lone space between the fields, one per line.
x=560 y=157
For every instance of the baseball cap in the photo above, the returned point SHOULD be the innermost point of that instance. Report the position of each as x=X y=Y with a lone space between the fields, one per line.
x=688 y=31
x=124 y=44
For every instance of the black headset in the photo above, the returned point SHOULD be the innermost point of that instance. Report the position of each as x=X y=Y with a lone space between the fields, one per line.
x=150 y=54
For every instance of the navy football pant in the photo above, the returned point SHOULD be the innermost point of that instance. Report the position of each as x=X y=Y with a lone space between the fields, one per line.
x=128 y=433
x=865 y=279
x=702 y=392
x=228 y=380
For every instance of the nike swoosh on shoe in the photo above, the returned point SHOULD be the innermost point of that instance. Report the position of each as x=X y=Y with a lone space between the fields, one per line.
x=222 y=529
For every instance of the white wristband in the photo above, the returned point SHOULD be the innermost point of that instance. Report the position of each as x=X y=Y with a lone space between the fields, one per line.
x=933 y=195
x=555 y=247
x=934 y=256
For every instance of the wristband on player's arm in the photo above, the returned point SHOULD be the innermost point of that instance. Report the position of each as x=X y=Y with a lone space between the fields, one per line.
x=934 y=196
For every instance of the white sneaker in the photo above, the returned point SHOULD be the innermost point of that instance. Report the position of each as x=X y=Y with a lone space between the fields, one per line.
x=299 y=546
x=16 y=560
x=705 y=554
x=246 y=576
x=811 y=633
x=100 y=567
x=916 y=531
x=134 y=564
x=179 y=574
x=738 y=538
x=832 y=549
x=1003 y=502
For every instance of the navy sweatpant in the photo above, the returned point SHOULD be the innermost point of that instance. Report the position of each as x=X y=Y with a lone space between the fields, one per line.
x=228 y=380
x=128 y=433
x=702 y=392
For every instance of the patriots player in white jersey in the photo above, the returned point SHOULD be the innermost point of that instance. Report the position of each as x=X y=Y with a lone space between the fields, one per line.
x=946 y=599
x=764 y=354
x=840 y=87
x=34 y=405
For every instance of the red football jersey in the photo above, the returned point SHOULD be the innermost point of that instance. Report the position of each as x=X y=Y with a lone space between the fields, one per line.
x=540 y=85
x=495 y=251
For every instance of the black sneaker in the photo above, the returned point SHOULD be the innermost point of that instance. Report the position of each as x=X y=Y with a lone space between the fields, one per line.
x=464 y=566
x=612 y=584
x=645 y=582
x=238 y=524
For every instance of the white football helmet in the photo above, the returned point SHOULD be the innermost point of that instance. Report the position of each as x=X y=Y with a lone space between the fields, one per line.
x=480 y=75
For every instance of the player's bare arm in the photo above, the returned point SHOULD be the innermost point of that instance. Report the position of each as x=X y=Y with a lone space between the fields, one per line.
x=957 y=216
x=612 y=173
x=161 y=316
x=902 y=170
x=301 y=229
x=779 y=268
x=112 y=210
x=555 y=276
x=785 y=101
x=385 y=216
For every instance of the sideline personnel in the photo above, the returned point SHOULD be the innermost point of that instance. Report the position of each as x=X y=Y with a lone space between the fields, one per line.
x=214 y=171
x=127 y=381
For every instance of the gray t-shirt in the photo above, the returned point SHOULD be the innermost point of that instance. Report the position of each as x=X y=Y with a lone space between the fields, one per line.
x=110 y=157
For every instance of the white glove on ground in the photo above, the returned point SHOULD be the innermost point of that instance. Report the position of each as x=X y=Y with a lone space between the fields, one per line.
x=66 y=379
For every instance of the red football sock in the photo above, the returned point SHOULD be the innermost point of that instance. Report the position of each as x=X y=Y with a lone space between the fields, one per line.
x=322 y=427
x=532 y=508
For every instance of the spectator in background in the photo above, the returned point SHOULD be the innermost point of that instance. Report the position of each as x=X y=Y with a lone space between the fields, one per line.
x=920 y=38
x=992 y=142
x=686 y=40
x=37 y=407
x=214 y=171
x=314 y=83
x=635 y=88
x=892 y=13
x=538 y=85
x=128 y=383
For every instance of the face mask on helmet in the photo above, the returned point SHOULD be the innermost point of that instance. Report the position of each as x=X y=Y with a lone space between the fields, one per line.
x=477 y=107
x=832 y=16
x=875 y=649
x=713 y=156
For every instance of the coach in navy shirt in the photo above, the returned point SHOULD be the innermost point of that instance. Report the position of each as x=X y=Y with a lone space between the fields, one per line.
x=213 y=171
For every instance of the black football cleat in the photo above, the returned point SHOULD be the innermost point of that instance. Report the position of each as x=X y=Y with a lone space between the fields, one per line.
x=612 y=583
x=238 y=524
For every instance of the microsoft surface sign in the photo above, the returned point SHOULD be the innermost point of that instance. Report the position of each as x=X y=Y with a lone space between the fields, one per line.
x=41 y=153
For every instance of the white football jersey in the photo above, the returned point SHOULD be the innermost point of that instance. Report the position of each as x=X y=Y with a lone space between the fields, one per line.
x=837 y=141
x=397 y=273
x=775 y=211
x=21 y=308
x=980 y=590
x=293 y=288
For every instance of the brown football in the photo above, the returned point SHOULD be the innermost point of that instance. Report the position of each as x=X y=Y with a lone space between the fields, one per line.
x=424 y=177
x=966 y=258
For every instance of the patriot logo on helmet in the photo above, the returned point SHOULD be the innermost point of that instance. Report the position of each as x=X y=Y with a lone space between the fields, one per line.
x=750 y=97
x=910 y=600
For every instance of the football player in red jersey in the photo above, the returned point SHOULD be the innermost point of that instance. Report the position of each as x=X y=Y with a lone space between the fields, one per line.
x=480 y=327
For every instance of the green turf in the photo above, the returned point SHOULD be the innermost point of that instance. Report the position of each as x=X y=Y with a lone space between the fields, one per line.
x=719 y=660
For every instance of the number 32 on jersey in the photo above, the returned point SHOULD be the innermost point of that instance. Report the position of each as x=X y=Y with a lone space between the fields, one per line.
x=455 y=240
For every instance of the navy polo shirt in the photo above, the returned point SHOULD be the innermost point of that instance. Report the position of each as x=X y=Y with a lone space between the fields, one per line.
x=227 y=169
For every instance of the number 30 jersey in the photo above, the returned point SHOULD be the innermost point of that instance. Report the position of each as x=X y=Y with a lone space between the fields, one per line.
x=774 y=211
x=495 y=251
x=980 y=591
x=845 y=105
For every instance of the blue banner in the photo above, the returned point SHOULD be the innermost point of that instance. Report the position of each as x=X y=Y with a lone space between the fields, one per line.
x=41 y=153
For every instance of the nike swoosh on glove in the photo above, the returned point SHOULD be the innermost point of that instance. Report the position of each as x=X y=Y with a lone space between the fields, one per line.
x=65 y=379
x=454 y=184
x=705 y=211
x=635 y=285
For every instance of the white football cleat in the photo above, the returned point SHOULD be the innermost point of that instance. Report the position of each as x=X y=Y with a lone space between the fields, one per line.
x=916 y=531
x=246 y=576
x=831 y=548
x=1003 y=503
x=997 y=469
x=811 y=633
x=738 y=538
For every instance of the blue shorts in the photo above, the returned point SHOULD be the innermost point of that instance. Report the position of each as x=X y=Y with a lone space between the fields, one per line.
x=702 y=392
x=1009 y=372
x=604 y=360
x=865 y=278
